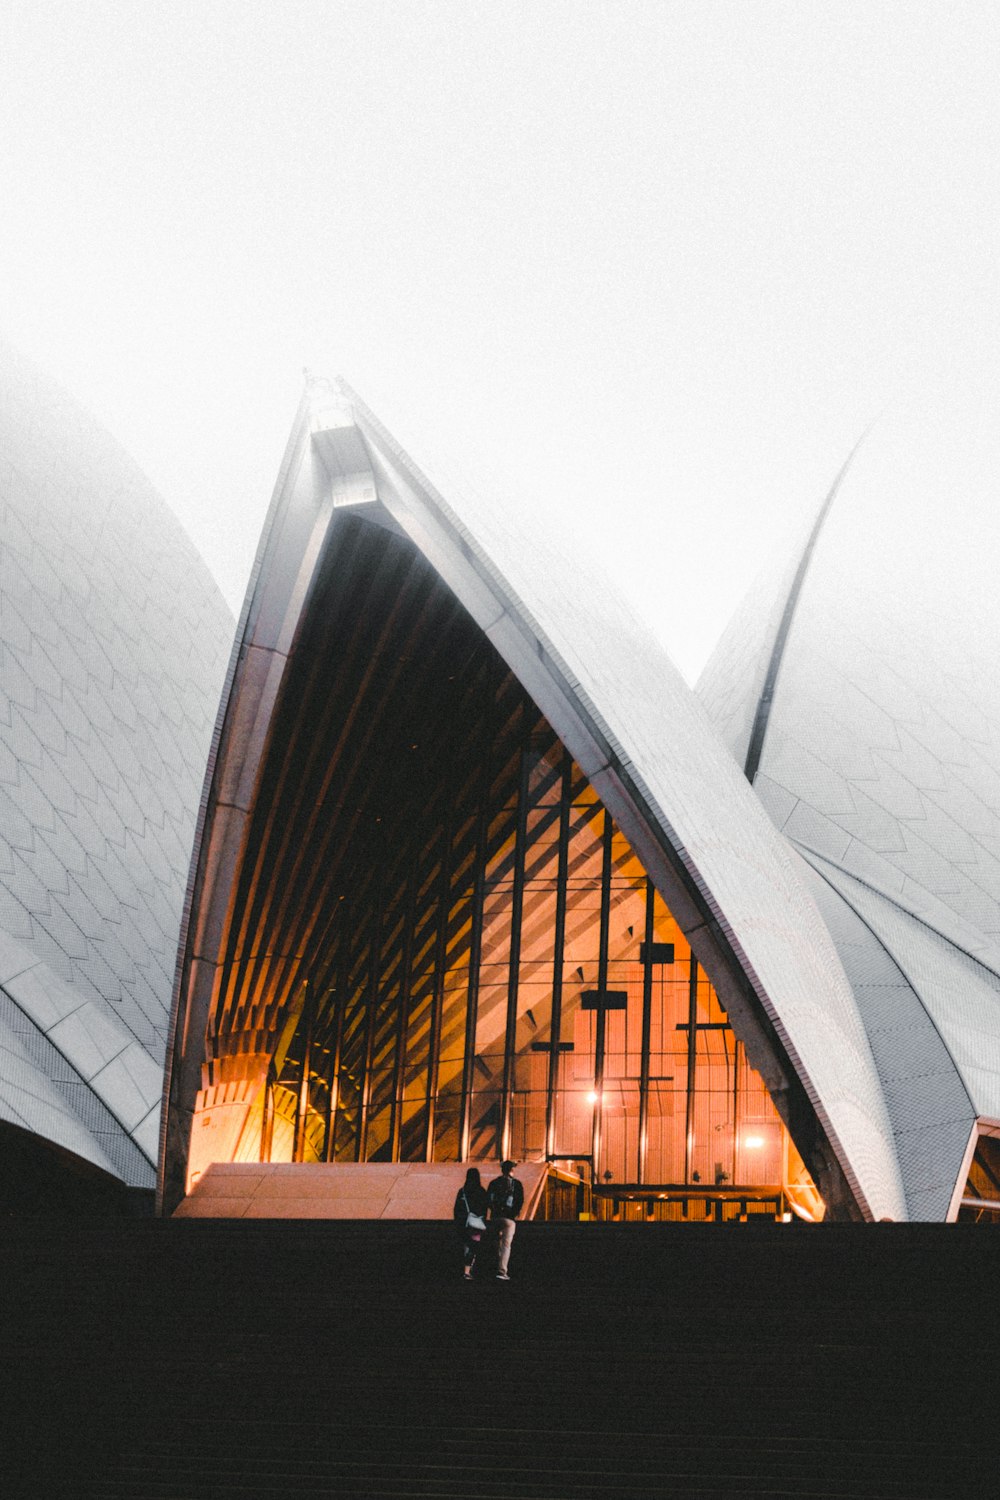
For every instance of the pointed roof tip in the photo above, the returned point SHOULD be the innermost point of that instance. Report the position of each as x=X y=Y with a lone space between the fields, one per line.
x=309 y=375
x=862 y=438
x=328 y=399
x=758 y=731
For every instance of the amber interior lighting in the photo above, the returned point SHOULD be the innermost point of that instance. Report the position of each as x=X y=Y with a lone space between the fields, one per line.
x=446 y=950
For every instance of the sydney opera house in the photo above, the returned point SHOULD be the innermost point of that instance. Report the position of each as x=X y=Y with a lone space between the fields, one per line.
x=467 y=871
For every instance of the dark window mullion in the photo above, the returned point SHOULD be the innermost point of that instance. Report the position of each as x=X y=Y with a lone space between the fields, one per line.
x=558 y=946
x=513 y=972
x=440 y=973
x=647 y=1015
x=476 y=929
x=602 y=985
x=373 y=989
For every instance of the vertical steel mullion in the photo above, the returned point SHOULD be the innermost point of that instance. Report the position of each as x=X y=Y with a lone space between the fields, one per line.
x=403 y=1018
x=736 y=1106
x=302 y=1103
x=330 y=1095
x=327 y=1007
x=476 y=930
x=437 y=993
x=267 y=1114
x=374 y=993
x=558 y=957
x=602 y=986
x=692 y=1060
x=472 y=994
x=343 y=999
x=647 y=1016
x=514 y=966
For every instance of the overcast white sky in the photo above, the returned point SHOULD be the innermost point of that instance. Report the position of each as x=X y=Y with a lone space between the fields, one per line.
x=657 y=264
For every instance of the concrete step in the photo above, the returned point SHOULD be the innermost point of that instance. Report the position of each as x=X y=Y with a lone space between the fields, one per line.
x=342 y=1190
x=205 y=1359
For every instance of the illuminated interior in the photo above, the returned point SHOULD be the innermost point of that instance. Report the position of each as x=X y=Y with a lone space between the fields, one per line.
x=444 y=949
x=980 y=1202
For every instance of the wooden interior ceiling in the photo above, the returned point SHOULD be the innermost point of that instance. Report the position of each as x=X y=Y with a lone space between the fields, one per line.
x=393 y=698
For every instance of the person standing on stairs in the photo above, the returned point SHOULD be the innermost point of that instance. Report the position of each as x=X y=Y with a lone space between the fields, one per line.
x=470 y=1217
x=506 y=1200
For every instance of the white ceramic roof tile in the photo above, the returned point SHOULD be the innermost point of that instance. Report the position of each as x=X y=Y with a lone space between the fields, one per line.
x=13 y=917
x=147 y=1133
x=808 y=777
x=959 y=994
x=90 y=1038
x=41 y=993
x=15 y=829
x=113 y=647
x=129 y=1085
x=777 y=799
x=871 y=825
x=927 y=869
x=928 y=1104
x=942 y=913
x=15 y=958
x=811 y=828
x=900 y=613
x=80 y=1101
x=733 y=680
x=890 y=679
x=869 y=865
x=29 y=1099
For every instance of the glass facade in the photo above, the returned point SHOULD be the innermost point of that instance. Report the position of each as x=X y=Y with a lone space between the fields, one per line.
x=981 y=1197
x=456 y=951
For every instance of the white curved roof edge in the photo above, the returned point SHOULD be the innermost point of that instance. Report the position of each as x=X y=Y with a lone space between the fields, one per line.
x=637 y=731
x=29 y=1099
x=738 y=681
x=819 y=837
x=96 y=1045
x=193 y=980
x=886 y=725
x=884 y=765
x=926 y=1096
x=958 y=992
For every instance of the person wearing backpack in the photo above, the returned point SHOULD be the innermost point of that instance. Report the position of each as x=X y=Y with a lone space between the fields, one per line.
x=470 y=1217
x=506 y=1200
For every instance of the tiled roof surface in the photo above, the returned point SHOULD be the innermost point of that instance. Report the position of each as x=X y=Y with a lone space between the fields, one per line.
x=881 y=762
x=113 y=646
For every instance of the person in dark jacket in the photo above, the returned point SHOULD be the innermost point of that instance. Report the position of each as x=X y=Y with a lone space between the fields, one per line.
x=470 y=1200
x=506 y=1199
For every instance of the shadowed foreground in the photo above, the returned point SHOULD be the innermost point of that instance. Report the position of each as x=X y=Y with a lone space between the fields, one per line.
x=194 y=1360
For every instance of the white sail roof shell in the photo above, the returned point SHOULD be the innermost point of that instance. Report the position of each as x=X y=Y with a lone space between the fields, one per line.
x=113 y=646
x=881 y=760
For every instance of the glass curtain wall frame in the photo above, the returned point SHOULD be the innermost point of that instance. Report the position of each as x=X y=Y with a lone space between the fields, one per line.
x=442 y=941
x=980 y=1202
x=503 y=979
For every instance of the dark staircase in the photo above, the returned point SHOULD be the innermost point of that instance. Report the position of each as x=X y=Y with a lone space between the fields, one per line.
x=201 y=1360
